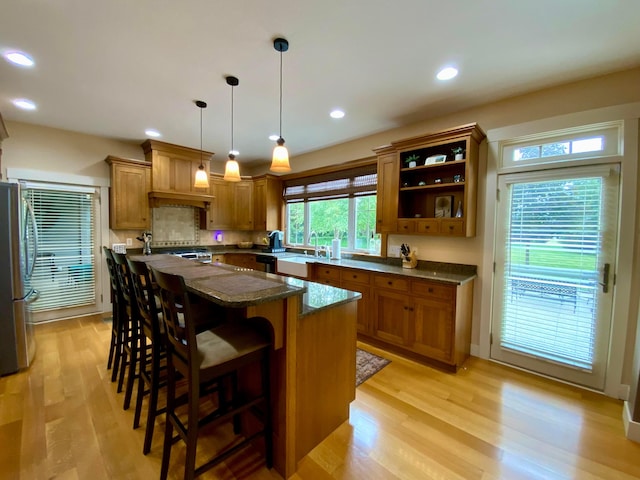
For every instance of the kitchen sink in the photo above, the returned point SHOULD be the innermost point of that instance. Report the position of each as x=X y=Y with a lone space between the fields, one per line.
x=296 y=266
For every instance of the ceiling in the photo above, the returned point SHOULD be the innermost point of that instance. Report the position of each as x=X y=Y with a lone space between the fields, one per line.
x=115 y=68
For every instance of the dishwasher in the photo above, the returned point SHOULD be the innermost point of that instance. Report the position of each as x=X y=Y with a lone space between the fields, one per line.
x=269 y=262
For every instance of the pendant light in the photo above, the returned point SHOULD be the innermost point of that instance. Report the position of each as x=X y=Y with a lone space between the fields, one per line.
x=280 y=160
x=202 y=177
x=232 y=169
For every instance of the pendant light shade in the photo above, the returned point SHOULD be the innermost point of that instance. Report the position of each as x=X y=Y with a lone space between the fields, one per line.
x=280 y=159
x=232 y=169
x=202 y=177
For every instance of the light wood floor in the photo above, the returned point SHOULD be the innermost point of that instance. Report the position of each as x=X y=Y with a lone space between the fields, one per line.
x=63 y=419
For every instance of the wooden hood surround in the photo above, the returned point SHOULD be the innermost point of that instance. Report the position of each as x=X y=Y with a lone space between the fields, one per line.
x=173 y=170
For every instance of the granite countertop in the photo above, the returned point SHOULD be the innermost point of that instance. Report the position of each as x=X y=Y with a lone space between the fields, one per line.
x=237 y=287
x=438 y=271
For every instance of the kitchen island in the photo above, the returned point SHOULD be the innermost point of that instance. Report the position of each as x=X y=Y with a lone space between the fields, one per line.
x=313 y=362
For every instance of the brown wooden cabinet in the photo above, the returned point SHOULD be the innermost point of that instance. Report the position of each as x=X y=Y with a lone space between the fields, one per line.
x=243 y=260
x=232 y=206
x=423 y=189
x=387 y=192
x=128 y=200
x=267 y=203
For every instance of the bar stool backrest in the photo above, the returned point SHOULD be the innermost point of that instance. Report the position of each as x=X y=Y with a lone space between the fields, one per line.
x=176 y=315
x=145 y=297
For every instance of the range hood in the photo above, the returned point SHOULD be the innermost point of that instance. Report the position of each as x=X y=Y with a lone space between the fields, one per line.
x=173 y=169
x=162 y=198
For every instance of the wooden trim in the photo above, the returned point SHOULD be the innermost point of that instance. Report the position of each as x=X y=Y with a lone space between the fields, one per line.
x=159 y=198
x=130 y=161
x=3 y=130
x=149 y=146
x=330 y=169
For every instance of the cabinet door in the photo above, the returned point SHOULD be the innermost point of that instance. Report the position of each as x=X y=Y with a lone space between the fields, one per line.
x=243 y=260
x=433 y=334
x=387 y=194
x=363 y=320
x=267 y=203
x=220 y=215
x=243 y=204
x=391 y=317
x=129 y=201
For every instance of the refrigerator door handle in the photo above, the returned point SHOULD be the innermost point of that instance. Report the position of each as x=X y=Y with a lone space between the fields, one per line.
x=31 y=263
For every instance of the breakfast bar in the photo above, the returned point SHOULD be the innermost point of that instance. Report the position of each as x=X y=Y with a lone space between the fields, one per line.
x=313 y=363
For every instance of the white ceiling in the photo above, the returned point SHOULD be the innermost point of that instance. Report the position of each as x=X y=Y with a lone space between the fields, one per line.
x=114 y=68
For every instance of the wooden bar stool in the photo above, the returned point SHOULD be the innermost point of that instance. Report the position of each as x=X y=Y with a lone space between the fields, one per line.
x=152 y=340
x=117 y=315
x=207 y=358
x=131 y=329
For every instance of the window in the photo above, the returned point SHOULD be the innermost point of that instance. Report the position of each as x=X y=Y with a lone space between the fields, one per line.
x=340 y=204
x=592 y=142
x=64 y=272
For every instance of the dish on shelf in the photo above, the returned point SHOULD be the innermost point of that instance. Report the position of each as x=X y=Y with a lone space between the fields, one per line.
x=435 y=159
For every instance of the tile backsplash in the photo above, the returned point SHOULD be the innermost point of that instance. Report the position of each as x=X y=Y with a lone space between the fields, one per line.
x=175 y=226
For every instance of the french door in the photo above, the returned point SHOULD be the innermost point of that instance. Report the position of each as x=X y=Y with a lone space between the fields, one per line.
x=554 y=271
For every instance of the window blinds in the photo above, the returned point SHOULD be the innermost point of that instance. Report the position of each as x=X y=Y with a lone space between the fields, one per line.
x=339 y=184
x=551 y=270
x=64 y=272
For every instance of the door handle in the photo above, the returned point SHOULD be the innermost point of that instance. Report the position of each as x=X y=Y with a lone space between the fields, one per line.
x=605 y=278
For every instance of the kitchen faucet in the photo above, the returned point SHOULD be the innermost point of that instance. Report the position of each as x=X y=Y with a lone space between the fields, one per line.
x=315 y=248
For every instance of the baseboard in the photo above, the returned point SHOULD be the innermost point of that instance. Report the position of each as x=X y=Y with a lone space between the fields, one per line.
x=631 y=428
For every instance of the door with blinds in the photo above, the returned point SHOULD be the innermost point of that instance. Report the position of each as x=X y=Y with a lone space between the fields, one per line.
x=554 y=271
x=65 y=268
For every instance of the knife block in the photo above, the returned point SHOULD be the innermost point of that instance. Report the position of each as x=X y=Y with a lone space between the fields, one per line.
x=410 y=261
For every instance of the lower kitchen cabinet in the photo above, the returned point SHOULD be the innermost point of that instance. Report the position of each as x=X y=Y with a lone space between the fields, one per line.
x=423 y=319
x=243 y=260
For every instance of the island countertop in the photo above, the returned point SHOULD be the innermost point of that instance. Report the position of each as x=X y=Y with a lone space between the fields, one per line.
x=237 y=287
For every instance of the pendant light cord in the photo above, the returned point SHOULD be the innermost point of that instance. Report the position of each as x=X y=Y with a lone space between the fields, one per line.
x=231 y=120
x=280 y=93
x=201 y=165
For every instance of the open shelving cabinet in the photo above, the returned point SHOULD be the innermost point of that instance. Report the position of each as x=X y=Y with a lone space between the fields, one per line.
x=435 y=197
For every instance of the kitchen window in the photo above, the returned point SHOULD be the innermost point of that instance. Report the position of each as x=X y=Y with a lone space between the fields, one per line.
x=340 y=204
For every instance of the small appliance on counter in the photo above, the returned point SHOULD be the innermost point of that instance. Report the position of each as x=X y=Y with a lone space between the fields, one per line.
x=275 y=242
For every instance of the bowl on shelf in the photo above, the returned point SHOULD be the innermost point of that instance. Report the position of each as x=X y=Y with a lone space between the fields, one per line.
x=245 y=244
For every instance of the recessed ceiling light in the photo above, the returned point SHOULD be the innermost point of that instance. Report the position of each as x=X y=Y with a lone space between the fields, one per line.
x=337 y=114
x=234 y=152
x=24 y=104
x=152 y=133
x=19 y=58
x=274 y=137
x=447 y=73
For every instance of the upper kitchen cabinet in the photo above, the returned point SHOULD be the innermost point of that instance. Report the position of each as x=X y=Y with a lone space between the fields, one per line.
x=128 y=200
x=427 y=185
x=173 y=170
x=267 y=203
x=232 y=205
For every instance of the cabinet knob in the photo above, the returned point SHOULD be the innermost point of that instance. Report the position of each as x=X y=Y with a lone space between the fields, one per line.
x=355 y=276
x=430 y=290
x=450 y=227
x=389 y=283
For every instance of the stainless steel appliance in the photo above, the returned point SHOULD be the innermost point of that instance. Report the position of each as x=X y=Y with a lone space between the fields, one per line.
x=269 y=262
x=18 y=253
x=202 y=257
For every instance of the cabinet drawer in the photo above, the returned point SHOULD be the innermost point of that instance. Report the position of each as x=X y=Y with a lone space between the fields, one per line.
x=434 y=290
x=406 y=226
x=391 y=282
x=428 y=226
x=327 y=273
x=452 y=227
x=349 y=275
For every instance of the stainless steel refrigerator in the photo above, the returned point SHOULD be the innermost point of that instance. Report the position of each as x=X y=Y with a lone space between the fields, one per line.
x=18 y=254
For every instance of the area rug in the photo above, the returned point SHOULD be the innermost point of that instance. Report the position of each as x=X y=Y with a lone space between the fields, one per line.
x=367 y=365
